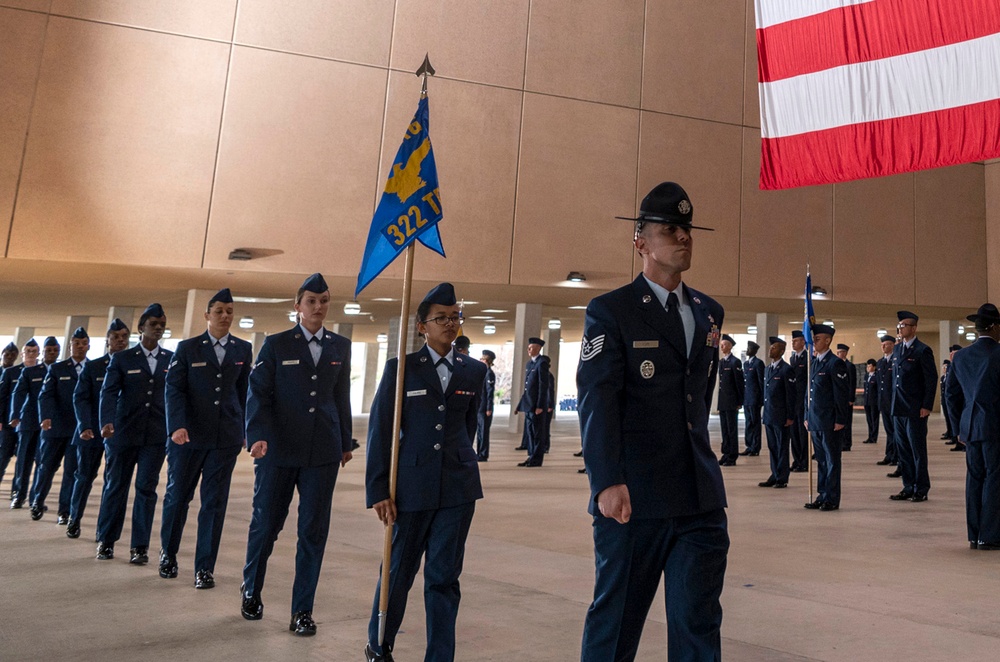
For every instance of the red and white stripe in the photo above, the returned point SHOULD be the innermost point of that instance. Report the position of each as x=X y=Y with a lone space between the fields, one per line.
x=865 y=88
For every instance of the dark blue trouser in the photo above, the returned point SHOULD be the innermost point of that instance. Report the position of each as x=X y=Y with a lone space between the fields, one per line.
x=891 y=453
x=827 y=445
x=730 y=435
x=800 y=442
x=778 y=441
x=8 y=449
x=483 y=435
x=911 y=446
x=88 y=463
x=690 y=553
x=439 y=536
x=872 y=416
x=847 y=434
x=982 y=491
x=751 y=428
x=272 y=494
x=146 y=462
x=52 y=452
x=27 y=448
x=536 y=437
x=184 y=467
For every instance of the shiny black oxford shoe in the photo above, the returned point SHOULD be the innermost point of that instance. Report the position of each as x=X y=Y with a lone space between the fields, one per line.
x=303 y=624
x=72 y=529
x=902 y=496
x=372 y=656
x=105 y=552
x=251 y=607
x=814 y=505
x=139 y=555
x=37 y=511
x=204 y=579
x=168 y=565
x=826 y=505
x=63 y=519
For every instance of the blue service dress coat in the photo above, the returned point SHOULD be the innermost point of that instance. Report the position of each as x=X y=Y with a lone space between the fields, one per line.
x=132 y=399
x=829 y=394
x=24 y=408
x=644 y=400
x=871 y=394
x=8 y=435
x=915 y=385
x=731 y=384
x=89 y=452
x=779 y=393
x=753 y=382
x=55 y=404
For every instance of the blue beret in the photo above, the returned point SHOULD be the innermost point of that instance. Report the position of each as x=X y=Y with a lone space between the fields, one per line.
x=823 y=328
x=776 y=339
x=222 y=296
x=31 y=343
x=490 y=354
x=844 y=347
x=536 y=341
x=462 y=342
x=51 y=342
x=797 y=334
x=728 y=337
x=315 y=284
x=80 y=333
x=117 y=325
x=153 y=310
x=907 y=315
x=10 y=346
x=888 y=338
x=443 y=295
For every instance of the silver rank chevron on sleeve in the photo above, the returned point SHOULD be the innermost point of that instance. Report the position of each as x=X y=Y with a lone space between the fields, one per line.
x=591 y=348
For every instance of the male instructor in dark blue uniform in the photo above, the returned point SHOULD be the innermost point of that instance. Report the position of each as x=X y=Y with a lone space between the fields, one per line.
x=648 y=366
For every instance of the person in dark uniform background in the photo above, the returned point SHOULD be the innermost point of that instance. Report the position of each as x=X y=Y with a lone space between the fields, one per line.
x=88 y=443
x=486 y=407
x=949 y=436
x=883 y=375
x=299 y=432
x=462 y=344
x=829 y=408
x=205 y=393
x=24 y=410
x=915 y=382
x=973 y=396
x=534 y=403
x=8 y=377
x=58 y=423
x=799 y=361
x=779 y=412
x=438 y=482
x=847 y=434
x=870 y=398
x=731 y=385
x=647 y=372
x=134 y=429
x=753 y=399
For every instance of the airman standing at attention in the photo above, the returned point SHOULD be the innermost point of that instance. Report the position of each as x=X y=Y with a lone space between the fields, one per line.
x=753 y=399
x=8 y=377
x=800 y=365
x=847 y=434
x=486 y=407
x=829 y=407
x=24 y=415
x=731 y=385
x=883 y=374
x=779 y=413
x=535 y=403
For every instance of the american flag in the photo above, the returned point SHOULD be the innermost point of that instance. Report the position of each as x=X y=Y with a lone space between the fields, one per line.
x=864 y=88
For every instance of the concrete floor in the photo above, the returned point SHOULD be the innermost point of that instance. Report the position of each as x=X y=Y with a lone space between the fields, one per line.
x=877 y=580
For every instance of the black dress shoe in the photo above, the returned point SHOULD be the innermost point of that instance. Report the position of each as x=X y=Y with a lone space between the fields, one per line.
x=36 y=512
x=946 y=436
x=745 y=453
x=917 y=498
x=139 y=555
x=973 y=544
x=883 y=463
x=959 y=448
x=950 y=442
x=988 y=546
x=204 y=579
x=826 y=505
x=754 y=453
x=581 y=471
x=303 y=624
x=580 y=454
x=799 y=470
x=372 y=656
x=521 y=448
x=15 y=504
x=251 y=608
x=902 y=496
x=846 y=449
x=72 y=529
x=894 y=474
x=770 y=482
x=528 y=463
x=814 y=505
x=63 y=519
x=168 y=566
x=105 y=552
x=868 y=441
x=780 y=486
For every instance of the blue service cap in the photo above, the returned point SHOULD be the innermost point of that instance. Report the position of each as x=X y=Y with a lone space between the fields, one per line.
x=462 y=342
x=315 y=284
x=153 y=310
x=907 y=315
x=222 y=296
x=844 y=347
x=871 y=362
x=117 y=325
x=887 y=338
x=946 y=362
x=31 y=343
x=728 y=337
x=80 y=333
x=752 y=346
x=51 y=342
x=823 y=328
x=490 y=354
x=954 y=348
x=797 y=334
x=536 y=341
x=442 y=294
x=10 y=346
x=775 y=339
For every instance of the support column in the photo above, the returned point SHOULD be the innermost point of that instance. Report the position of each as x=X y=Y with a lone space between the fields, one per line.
x=194 y=312
x=552 y=349
x=992 y=174
x=371 y=376
x=767 y=326
x=413 y=341
x=346 y=330
x=256 y=342
x=527 y=323
x=23 y=334
x=125 y=314
x=948 y=336
x=72 y=322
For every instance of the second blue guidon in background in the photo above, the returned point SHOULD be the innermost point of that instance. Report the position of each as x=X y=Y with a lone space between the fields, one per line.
x=410 y=207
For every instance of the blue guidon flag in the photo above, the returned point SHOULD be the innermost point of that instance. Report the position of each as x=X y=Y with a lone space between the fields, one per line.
x=810 y=315
x=410 y=207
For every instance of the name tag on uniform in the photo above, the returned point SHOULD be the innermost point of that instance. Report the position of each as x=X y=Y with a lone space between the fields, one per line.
x=291 y=362
x=422 y=391
x=201 y=364
x=37 y=379
x=134 y=372
x=645 y=344
x=99 y=379
x=62 y=379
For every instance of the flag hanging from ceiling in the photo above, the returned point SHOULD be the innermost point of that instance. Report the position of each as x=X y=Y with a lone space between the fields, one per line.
x=864 y=88
x=410 y=207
